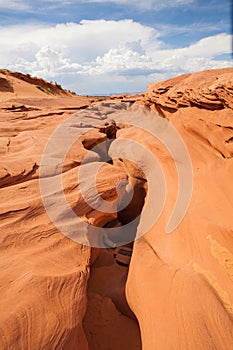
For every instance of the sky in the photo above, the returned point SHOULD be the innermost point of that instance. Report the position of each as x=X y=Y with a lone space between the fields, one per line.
x=114 y=46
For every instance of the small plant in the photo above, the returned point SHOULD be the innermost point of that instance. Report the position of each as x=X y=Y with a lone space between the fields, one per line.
x=40 y=88
x=58 y=85
x=45 y=90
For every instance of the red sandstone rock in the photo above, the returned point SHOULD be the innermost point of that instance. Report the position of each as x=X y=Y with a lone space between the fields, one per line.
x=180 y=285
x=210 y=90
x=60 y=294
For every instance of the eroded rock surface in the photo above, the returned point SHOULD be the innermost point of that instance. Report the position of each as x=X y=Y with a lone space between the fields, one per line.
x=184 y=297
x=58 y=293
x=211 y=90
x=44 y=274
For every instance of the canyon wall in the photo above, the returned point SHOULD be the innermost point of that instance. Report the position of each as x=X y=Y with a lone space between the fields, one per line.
x=61 y=287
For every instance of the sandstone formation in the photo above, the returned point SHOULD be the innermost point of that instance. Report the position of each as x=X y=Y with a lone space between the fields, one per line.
x=210 y=90
x=14 y=84
x=184 y=298
x=57 y=291
x=44 y=274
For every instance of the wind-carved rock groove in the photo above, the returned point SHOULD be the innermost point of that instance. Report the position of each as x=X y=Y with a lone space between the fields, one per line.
x=109 y=322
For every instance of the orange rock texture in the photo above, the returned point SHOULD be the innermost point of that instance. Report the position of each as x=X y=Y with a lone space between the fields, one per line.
x=180 y=285
x=61 y=293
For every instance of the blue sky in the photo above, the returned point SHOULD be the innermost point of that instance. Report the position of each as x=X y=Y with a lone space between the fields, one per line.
x=114 y=46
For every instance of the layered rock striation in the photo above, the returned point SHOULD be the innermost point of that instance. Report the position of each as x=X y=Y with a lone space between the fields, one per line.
x=61 y=287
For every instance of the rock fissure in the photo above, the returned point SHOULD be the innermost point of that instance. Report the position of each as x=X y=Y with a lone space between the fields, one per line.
x=109 y=323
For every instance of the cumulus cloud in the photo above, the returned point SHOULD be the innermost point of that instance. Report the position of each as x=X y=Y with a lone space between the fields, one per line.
x=47 y=63
x=104 y=55
x=80 y=42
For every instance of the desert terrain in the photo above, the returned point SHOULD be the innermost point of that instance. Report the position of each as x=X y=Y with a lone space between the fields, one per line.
x=62 y=284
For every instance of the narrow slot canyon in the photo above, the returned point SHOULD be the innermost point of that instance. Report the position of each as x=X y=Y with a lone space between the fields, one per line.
x=109 y=323
x=116 y=215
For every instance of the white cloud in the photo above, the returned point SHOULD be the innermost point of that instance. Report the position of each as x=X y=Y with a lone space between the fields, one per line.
x=48 y=63
x=99 y=56
x=80 y=42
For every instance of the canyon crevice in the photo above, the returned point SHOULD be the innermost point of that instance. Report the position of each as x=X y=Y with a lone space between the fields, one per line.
x=65 y=287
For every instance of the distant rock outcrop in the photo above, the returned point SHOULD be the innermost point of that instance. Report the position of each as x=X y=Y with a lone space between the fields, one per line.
x=15 y=84
x=210 y=90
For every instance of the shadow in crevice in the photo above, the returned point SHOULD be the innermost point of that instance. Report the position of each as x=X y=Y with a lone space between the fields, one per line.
x=109 y=322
